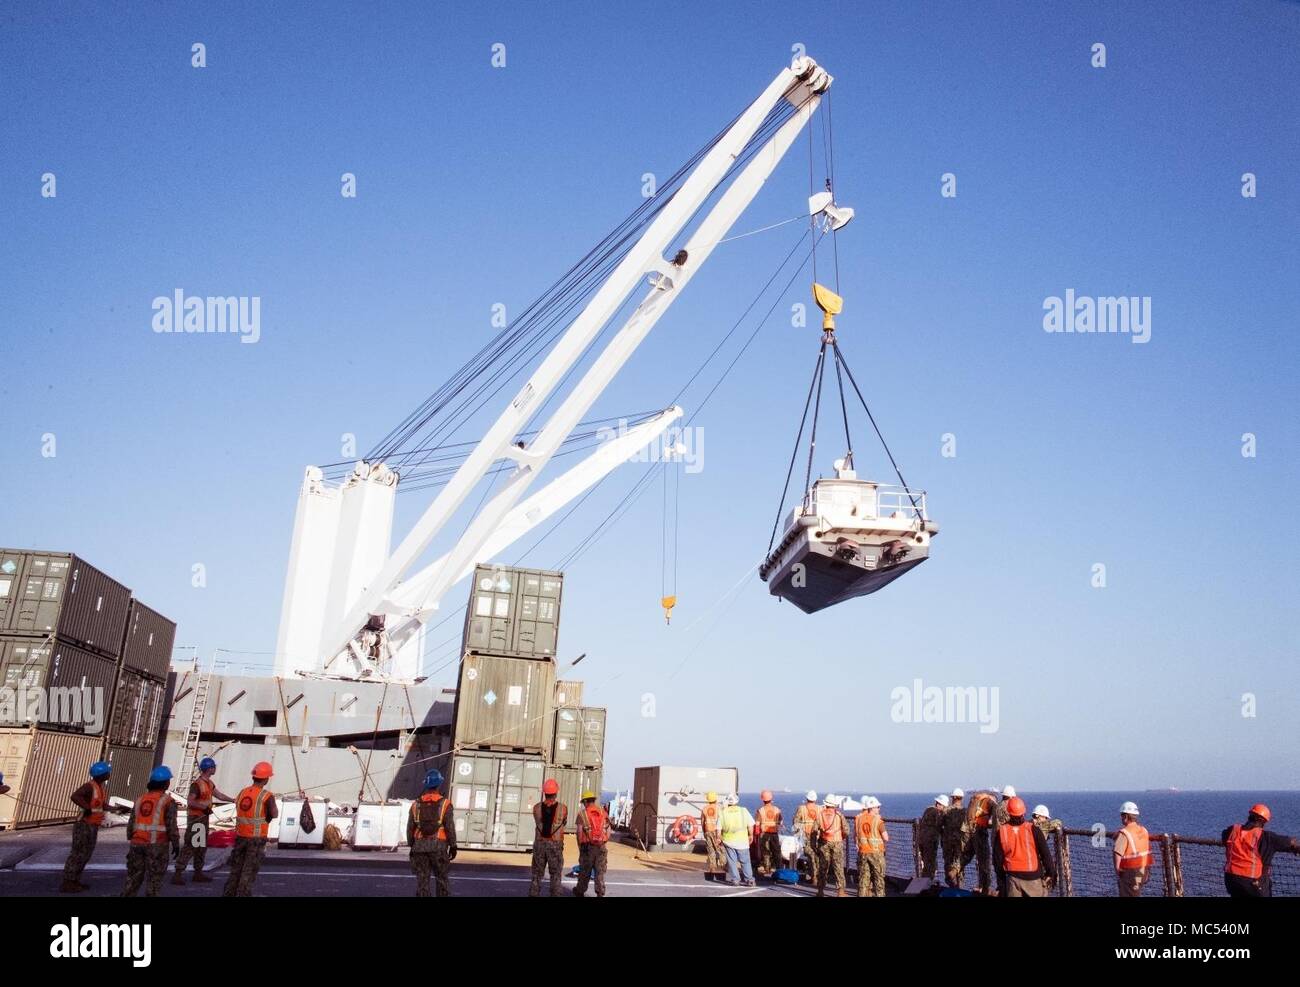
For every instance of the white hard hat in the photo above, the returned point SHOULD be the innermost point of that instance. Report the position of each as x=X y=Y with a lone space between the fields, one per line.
x=828 y=800
x=1041 y=810
x=1129 y=808
x=1008 y=792
x=732 y=799
x=957 y=793
x=942 y=800
x=871 y=802
x=811 y=796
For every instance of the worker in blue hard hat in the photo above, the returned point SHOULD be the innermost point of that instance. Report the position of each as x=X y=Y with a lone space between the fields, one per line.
x=91 y=798
x=431 y=834
x=203 y=793
x=150 y=833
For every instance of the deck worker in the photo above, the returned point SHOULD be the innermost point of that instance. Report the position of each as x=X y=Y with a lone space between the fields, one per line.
x=549 y=817
x=150 y=833
x=254 y=810
x=955 y=831
x=1246 y=873
x=431 y=834
x=872 y=837
x=711 y=826
x=737 y=834
x=769 y=836
x=980 y=818
x=90 y=798
x=1021 y=856
x=832 y=832
x=805 y=827
x=1132 y=853
x=593 y=845
x=928 y=834
x=203 y=792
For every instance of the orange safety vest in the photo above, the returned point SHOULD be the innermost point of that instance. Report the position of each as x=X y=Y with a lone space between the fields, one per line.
x=807 y=814
x=1137 y=848
x=870 y=829
x=597 y=828
x=98 y=796
x=430 y=798
x=711 y=818
x=1244 y=858
x=150 y=819
x=832 y=831
x=1019 y=851
x=984 y=811
x=202 y=806
x=250 y=813
x=557 y=824
x=769 y=819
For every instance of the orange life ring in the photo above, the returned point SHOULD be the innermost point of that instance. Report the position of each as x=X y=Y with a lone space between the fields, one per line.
x=684 y=828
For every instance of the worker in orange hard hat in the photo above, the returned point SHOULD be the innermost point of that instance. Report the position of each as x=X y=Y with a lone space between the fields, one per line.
x=254 y=810
x=1021 y=856
x=1246 y=873
x=549 y=818
x=768 y=819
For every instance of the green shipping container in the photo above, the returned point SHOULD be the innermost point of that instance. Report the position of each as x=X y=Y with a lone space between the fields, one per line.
x=579 y=738
x=505 y=704
x=514 y=612
x=493 y=797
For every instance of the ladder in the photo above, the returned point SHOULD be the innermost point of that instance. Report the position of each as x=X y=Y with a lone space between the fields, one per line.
x=190 y=752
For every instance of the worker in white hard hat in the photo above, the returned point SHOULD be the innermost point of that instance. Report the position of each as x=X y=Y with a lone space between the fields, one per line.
x=928 y=834
x=832 y=837
x=1133 y=860
x=711 y=826
x=953 y=834
x=737 y=835
x=805 y=827
x=869 y=829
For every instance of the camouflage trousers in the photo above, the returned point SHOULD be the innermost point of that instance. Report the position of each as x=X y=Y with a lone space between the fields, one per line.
x=831 y=863
x=814 y=858
x=954 y=862
x=84 y=838
x=194 y=844
x=146 y=862
x=871 y=874
x=548 y=855
x=593 y=859
x=716 y=856
x=978 y=847
x=431 y=863
x=245 y=862
x=769 y=852
x=929 y=856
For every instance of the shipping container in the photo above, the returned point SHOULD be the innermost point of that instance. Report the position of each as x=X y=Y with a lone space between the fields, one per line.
x=573 y=782
x=54 y=593
x=137 y=711
x=493 y=797
x=513 y=612
x=147 y=647
x=568 y=694
x=131 y=768
x=505 y=704
x=42 y=769
x=55 y=685
x=579 y=738
x=662 y=795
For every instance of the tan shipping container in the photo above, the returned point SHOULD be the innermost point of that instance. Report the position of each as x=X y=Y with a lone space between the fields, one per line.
x=505 y=704
x=42 y=769
x=568 y=695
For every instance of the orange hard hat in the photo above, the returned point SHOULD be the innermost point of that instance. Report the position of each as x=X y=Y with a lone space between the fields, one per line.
x=1016 y=806
x=550 y=787
x=262 y=770
x=1261 y=810
x=767 y=795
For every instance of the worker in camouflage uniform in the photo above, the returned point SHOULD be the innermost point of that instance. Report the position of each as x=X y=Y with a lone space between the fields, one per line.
x=715 y=857
x=549 y=816
x=869 y=828
x=593 y=845
x=954 y=835
x=928 y=833
x=805 y=826
x=255 y=810
x=431 y=835
x=152 y=835
x=980 y=820
x=832 y=834
x=203 y=792
x=90 y=798
x=1050 y=827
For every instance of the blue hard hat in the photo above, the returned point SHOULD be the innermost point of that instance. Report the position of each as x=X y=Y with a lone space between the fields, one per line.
x=100 y=769
x=160 y=773
x=207 y=764
x=433 y=779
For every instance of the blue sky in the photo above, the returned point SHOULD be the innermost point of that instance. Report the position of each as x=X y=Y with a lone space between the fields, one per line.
x=479 y=185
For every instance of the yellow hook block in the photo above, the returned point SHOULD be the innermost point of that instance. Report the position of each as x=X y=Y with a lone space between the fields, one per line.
x=830 y=303
x=668 y=602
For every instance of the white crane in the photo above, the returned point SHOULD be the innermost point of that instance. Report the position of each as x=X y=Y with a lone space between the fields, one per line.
x=344 y=581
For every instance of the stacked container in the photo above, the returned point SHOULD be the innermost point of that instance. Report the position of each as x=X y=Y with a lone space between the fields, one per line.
x=140 y=699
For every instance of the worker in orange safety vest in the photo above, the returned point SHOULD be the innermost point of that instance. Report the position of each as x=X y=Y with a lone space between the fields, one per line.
x=1249 y=851
x=593 y=841
x=768 y=819
x=254 y=811
x=1133 y=861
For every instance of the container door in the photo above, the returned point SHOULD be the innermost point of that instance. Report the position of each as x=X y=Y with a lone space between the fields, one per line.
x=11 y=564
